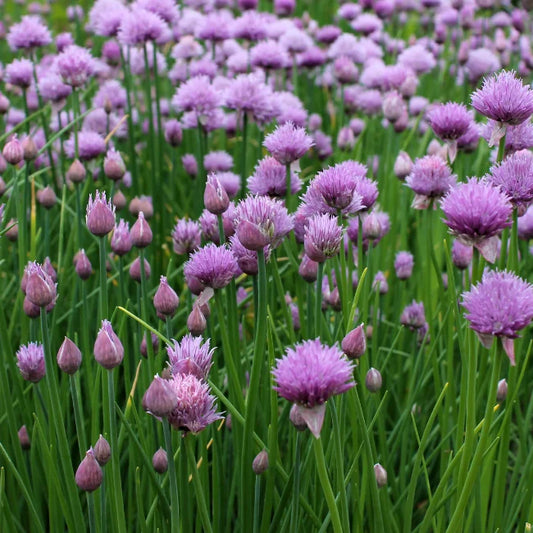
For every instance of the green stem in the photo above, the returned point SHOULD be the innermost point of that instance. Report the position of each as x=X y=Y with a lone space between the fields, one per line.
x=318 y=299
x=258 y=368
x=90 y=510
x=326 y=485
x=243 y=152
x=78 y=416
x=103 y=279
x=173 y=481
x=200 y=498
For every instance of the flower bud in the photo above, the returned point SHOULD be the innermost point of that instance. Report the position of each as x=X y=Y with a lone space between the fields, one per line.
x=160 y=461
x=40 y=288
x=501 y=393
x=24 y=438
x=119 y=200
x=250 y=236
x=144 y=204
x=260 y=463
x=31 y=310
x=216 y=199
x=83 y=266
x=89 y=475
x=114 y=167
x=190 y=165
x=403 y=165
x=297 y=419
x=173 y=132
x=4 y=104
x=76 y=172
x=100 y=217
x=166 y=300
x=69 y=357
x=196 y=322
x=135 y=269
x=3 y=187
x=144 y=347
x=12 y=234
x=13 y=152
x=29 y=149
x=159 y=399
x=108 y=350
x=102 y=451
x=354 y=343
x=373 y=380
x=140 y=233
x=47 y=197
x=381 y=475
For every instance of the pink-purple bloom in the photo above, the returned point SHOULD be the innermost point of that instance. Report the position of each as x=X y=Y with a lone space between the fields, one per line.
x=270 y=179
x=212 y=266
x=500 y=305
x=28 y=34
x=287 y=143
x=75 y=65
x=476 y=212
x=192 y=355
x=308 y=375
x=31 y=363
x=323 y=237
x=449 y=121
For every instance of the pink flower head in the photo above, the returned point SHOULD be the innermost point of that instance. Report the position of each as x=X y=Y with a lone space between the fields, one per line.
x=262 y=221
x=212 y=266
x=192 y=355
x=500 y=305
x=186 y=236
x=323 y=237
x=449 y=121
x=31 y=363
x=75 y=65
x=198 y=95
x=195 y=409
x=270 y=179
x=308 y=375
x=476 y=212
x=288 y=143
x=28 y=34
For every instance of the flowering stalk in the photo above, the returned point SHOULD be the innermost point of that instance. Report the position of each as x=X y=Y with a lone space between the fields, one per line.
x=103 y=278
x=252 y=397
x=172 y=479
x=318 y=299
x=243 y=153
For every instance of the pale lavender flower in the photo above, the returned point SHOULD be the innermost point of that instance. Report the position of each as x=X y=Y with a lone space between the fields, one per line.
x=514 y=176
x=198 y=95
x=500 y=305
x=413 y=316
x=270 y=179
x=518 y=137
x=288 y=143
x=20 y=73
x=218 y=161
x=106 y=16
x=505 y=99
x=333 y=190
x=213 y=266
x=90 y=145
x=139 y=26
x=111 y=95
x=195 y=410
x=31 y=363
x=430 y=178
x=75 y=65
x=476 y=212
x=166 y=9
x=192 y=355
x=449 y=121
x=481 y=62
x=230 y=181
x=417 y=58
x=121 y=241
x=52 y=88
x=323 y=237
x=308 y=375
x=403 y=265
x=269 y=55
x=28 y=34
x=262 y=221
x=247 y=259
x=525 y=224
x=461 y=254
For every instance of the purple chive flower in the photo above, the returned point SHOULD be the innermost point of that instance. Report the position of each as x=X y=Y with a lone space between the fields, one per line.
x=196 y=406
x=52 y=88
x=20 y=73
x=89 y=475
x=430 y=178
x=75 y=65
x=166 y=300
x=186 y=236
x=288 y=143
x=270 y=179
x=247 y=259
x=28 y=34
x=514 y=176
x=517 y=138
x=90 y=145
x=413 y=316
x=108 y=350
x=213 y=266
x=261 y=221
x=230 y=181
x=269 y=55
x=218 y=161
x=121 y=241
x=500 y=305
x=461 y=254
x=100 y=218
x=198 y=95
x=364 y=187
x=31 y=363
x=192 y=355
x=138 y=26
x=308 y=375
x=322 y=238
x=505 y=99
x=449 y=121
x=403 y=265
x=247 y=93
x=159 y=399
x=476 y=212
x=216 y=199
x=417 y=58
x=333 y=190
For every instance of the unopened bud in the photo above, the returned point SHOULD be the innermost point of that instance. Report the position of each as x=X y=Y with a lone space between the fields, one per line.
x=381 y=475
x=160 y=461
x=29 y=149
x=260 y=463
x=13 y=152
x=166 y=300
x=69 y=357
x=196 y=322
x=76 y=172
x=159 y=399
x=47 y=197
x=297 y=419
x=89 y=475
x=501 y=393
x=102 y=451
x=354 y=343
x=24 y=438
x=135 y=270
x=373 y=380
